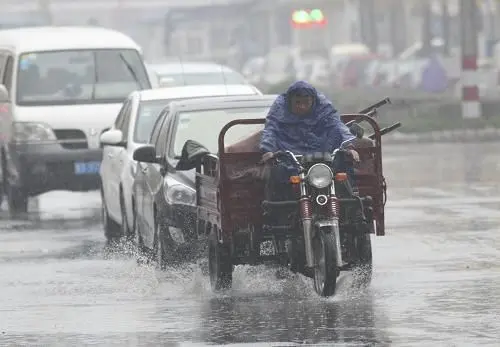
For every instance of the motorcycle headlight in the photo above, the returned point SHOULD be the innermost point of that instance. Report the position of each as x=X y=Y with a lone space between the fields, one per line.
x=178 y=193
x=320 y=176
x=33 y=132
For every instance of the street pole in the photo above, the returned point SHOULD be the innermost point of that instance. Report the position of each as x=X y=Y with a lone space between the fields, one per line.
x=397 y=27
x=368 y=24
x=471 y=105
x=445 y=16
x=426 y=27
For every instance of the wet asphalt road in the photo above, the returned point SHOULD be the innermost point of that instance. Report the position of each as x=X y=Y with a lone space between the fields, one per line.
x=436 y=281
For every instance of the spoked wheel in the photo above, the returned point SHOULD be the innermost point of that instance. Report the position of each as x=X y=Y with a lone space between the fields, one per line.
x=363 y=270
x=219 y=264
x=325 y=273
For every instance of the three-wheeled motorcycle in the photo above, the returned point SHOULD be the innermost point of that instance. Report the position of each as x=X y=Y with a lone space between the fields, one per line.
x=324 y=229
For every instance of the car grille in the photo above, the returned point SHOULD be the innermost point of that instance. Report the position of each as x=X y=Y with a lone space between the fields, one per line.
x=71 y=138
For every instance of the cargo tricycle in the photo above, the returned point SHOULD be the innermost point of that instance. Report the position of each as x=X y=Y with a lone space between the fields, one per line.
x=322 y=230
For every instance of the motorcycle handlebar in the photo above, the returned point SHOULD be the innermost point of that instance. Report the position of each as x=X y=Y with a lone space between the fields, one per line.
x=297 y=158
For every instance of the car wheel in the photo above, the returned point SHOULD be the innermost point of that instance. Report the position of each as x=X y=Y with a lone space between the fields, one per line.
x=17 y=197
x=126 y=231
x=163 y=246
x=142 y=253
x=112 y=230
x=17 y=200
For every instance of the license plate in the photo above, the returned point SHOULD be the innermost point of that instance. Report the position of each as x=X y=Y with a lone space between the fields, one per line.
x=88 y=168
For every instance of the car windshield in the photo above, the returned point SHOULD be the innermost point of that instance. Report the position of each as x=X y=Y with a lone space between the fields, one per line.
x=180 y=79
x=79 y=77
x=147 y=114
x=205 y=126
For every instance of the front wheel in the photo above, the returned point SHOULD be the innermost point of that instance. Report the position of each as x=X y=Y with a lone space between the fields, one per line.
x=325 y=272
x=220 y=266
x=17 y=200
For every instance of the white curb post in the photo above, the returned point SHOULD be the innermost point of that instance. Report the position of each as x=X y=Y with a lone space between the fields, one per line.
x=471 y=105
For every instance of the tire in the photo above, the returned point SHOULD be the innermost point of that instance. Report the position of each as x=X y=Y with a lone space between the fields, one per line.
x=112 y=230
x=141 y=252
x=363 y=269
x=297 y=257
x=220 y=267
x=17 y=200
x=125 y=230
x=161 y=246
x=326 y=272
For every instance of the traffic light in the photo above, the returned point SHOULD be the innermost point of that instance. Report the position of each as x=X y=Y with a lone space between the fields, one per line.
x=308 y=18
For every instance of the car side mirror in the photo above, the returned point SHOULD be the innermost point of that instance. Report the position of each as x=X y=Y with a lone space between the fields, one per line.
x=112 y=137
x=4 y=94
x=145 y=154
x=192 y=154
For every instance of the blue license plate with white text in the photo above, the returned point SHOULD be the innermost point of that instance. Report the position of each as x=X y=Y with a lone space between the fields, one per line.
x=87 y=168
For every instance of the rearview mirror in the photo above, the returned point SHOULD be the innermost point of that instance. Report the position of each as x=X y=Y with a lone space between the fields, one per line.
x=145 y=154
x=4 y=94
x=192 y=154
x=113 y=137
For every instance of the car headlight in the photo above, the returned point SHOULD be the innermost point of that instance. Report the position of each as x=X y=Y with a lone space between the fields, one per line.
x=178 y=193
x=320 y=176
x=33 y=132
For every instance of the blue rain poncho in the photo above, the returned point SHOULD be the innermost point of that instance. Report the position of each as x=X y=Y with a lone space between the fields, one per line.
x=321 y=130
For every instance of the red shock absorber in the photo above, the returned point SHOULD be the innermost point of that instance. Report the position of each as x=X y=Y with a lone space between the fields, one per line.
x=333 y=206
x=305 y=208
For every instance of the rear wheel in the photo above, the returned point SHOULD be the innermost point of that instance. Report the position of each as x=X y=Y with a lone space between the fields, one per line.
x=325 y=272
x=220 y=265
x=363 y=269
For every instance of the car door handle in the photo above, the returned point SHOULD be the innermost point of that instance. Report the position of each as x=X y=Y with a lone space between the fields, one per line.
x=110 y=155
x=144 y=169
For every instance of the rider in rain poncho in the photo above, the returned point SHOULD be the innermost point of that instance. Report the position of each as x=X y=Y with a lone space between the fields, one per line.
x=301 y=121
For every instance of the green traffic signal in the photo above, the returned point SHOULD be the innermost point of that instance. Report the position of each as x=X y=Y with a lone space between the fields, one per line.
x=306 y=17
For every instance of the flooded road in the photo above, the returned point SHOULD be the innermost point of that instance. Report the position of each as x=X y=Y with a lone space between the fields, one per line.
x=436 y=279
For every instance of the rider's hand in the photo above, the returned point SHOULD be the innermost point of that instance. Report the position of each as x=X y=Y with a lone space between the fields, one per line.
x=353 y=154
x=267 y=156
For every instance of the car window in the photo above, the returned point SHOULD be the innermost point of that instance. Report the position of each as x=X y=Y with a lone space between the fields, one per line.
x=157 y=128
x=161 y=143
x=147 y=115
x=8 y=72
x=121 y=115
x=126 y=119
x=72 y=77
x=192 y=125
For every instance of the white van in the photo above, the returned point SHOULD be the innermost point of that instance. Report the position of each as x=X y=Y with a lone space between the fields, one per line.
x=60 y=88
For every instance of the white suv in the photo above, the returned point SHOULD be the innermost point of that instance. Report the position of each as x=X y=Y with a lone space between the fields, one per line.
x=132 y=128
